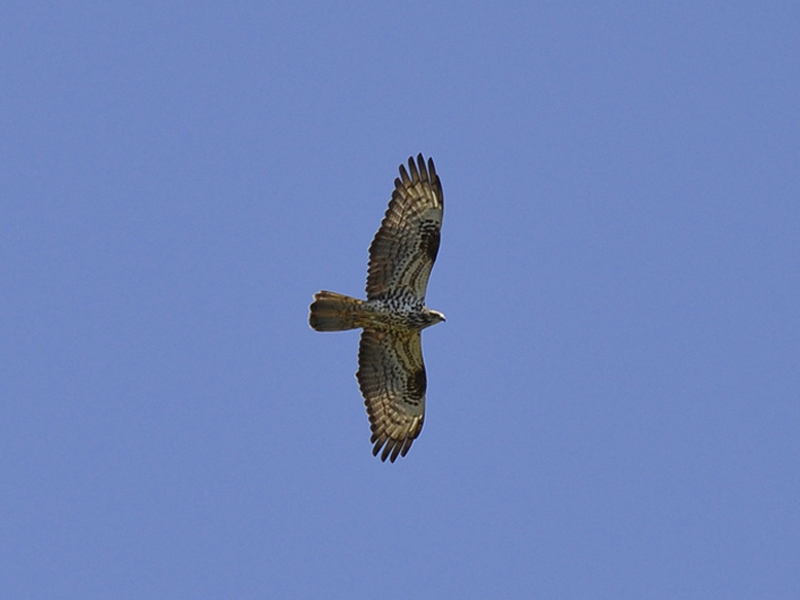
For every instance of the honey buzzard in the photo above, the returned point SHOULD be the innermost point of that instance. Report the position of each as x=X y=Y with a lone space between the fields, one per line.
x=391 y=373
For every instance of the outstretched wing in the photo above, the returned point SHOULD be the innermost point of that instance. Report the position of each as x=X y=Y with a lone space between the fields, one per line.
x=392 y=379
x=403 y=251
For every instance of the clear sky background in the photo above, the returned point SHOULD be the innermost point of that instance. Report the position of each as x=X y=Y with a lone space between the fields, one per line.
x=613 y=402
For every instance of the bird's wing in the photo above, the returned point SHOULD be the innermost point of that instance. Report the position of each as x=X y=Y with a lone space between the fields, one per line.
x=392 y=379
x=403 y=251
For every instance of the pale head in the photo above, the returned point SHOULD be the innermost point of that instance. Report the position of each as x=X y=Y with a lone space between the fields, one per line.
x=432 y=317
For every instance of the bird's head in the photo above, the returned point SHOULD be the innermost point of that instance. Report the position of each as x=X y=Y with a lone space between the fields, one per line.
x=432 y=317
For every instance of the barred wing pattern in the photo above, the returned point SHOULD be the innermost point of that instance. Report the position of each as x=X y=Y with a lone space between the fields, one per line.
x=392 y=379
x=403 y=252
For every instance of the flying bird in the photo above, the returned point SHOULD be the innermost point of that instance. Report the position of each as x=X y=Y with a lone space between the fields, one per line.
x=391 y=373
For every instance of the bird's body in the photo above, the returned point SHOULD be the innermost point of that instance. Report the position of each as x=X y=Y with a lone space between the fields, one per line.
x=391 y=372
x=390 y=314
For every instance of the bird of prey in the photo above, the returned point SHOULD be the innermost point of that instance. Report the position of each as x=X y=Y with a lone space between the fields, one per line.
x=391 y=373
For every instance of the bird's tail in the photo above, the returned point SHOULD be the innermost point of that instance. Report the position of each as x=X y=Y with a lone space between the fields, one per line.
x=334 y=312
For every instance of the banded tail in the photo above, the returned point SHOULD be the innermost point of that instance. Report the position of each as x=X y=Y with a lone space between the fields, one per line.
x=334 y=312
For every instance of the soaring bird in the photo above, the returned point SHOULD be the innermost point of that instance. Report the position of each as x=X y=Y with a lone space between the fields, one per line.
x=391 y=372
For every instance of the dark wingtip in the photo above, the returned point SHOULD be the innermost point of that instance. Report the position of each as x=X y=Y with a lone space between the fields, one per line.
x=390 y=448
x=427 y=173
x=418 y=171
x=404 y=178
x=406 y=446
x=412 y=168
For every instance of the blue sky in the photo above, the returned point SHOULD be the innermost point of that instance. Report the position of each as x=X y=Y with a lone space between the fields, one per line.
x=613 y=402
